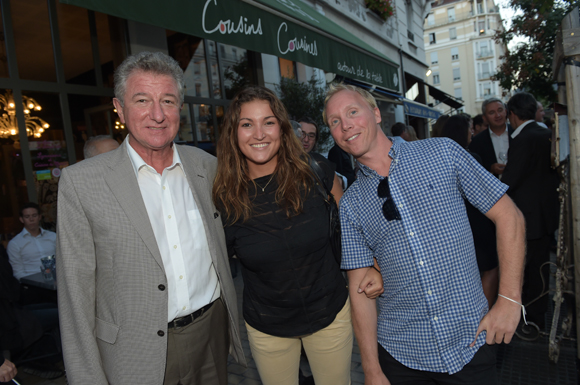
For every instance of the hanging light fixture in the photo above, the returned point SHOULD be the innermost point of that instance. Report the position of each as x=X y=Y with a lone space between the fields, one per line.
x=35 y=126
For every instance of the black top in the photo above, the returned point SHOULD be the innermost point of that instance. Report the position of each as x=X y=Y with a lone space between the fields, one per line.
x=292 y=283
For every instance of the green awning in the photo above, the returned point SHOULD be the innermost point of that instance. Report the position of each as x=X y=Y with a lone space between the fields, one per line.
x=284 y=28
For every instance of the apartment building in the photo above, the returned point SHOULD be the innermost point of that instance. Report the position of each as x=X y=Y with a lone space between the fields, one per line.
x=461 y=52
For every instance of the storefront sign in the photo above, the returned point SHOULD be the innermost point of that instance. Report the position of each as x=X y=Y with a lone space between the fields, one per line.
x=288 y=29
x=419 y=110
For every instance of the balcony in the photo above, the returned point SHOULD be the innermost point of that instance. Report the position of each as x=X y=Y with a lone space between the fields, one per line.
x=483 y=53
x=483 y=75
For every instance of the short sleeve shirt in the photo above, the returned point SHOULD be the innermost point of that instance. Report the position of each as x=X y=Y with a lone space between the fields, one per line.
x=433 y=299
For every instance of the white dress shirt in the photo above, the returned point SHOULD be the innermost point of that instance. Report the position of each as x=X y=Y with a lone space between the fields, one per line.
x=180 y=235
x=25 y=251
x=501 y=143
x=520 y=128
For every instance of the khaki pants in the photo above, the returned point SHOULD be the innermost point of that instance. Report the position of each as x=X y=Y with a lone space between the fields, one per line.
x=329 y=353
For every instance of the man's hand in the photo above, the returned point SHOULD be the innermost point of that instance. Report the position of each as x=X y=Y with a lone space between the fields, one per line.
x=372 y=284
x=7 y=371
x=500 y=322
x=497 y=168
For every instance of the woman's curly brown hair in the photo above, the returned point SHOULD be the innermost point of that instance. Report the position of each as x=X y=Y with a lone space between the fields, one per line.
x=293 y=173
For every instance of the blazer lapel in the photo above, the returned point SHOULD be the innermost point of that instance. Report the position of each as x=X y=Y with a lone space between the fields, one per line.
x=124 y=186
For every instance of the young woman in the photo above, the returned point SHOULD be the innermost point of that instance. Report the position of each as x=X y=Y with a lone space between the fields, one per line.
x=277 y=224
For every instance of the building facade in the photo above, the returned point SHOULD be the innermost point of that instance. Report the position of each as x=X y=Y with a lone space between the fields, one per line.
x=60 y=56
x=461 y=52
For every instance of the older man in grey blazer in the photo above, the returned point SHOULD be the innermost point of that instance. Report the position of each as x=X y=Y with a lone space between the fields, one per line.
x=144 y=286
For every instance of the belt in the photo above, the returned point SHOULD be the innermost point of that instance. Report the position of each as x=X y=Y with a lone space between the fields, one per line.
x=186 y=320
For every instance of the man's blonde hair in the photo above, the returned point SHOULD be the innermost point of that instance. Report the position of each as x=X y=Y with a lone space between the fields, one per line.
x=335 y=88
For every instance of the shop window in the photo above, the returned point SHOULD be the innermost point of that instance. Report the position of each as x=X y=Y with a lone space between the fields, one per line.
x=190 y=54
x=237 y=71
x=215 y=73
x=204 y=127
x=185 y=133
x=287 y=68
x=34 y=51
x=3 y=61
x=75 y=42
x=13 y=190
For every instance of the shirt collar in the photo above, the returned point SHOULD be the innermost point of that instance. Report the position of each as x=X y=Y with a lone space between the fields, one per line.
x=504 y=133
x=521 y=127
x=137 y=162
x=25 y=232
x=395 y=148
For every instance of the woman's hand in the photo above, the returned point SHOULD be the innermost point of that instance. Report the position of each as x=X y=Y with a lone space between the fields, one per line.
x=372 y=283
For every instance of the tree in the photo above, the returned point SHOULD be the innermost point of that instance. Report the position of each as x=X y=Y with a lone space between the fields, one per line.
x=305 y=99
x=529 y=65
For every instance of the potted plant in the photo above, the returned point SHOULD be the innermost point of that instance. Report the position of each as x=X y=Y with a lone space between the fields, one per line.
x=383 y=8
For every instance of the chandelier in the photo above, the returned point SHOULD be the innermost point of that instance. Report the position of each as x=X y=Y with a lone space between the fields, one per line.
x=35 y=126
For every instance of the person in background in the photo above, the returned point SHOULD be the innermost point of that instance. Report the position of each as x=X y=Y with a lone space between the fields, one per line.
x=540 y=115
x=533 y=186
x=33 y=243
x=438 y=126
x=145 y=290
x=406 y=210
x=100 y=144
x=458 y=128
x=398 y=130
x=492 y=145
x=410 y=135
x=309 y=133
x=277 y=224
x=479 y=125
x=343 y=162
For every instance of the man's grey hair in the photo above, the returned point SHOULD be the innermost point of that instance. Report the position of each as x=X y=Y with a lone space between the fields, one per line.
x=489 y=101
x=153 y=62
x=90 y=148
x=335 y=88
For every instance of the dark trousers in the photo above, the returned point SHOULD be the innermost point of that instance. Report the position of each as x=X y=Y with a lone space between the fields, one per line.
x=480 y=371
x=537 y=253
x=197 y=354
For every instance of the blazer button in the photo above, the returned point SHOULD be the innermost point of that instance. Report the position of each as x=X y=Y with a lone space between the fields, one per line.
x=160 y=333
x=161 y=287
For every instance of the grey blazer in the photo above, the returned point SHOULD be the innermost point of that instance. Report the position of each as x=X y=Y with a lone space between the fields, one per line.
x=112 y=305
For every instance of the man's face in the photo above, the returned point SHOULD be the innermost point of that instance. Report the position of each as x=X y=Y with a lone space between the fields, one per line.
x=540 y=113
x=308 y=136
x=352 y=122
x=31 y=219
x=495 y=115
x=151 y=111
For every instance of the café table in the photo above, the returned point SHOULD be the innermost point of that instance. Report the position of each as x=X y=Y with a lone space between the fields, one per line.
x=38 y=280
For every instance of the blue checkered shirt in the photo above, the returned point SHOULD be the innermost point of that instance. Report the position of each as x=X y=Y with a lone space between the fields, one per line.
x=433 y=299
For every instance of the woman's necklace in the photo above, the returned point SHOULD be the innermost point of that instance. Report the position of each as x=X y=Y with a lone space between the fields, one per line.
x=264 y=188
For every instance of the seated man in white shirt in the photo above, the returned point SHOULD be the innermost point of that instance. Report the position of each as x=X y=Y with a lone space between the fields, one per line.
x=27 y=248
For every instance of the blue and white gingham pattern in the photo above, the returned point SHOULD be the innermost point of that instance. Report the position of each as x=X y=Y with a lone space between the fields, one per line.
x=433 y=299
